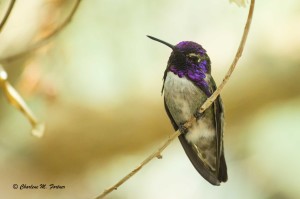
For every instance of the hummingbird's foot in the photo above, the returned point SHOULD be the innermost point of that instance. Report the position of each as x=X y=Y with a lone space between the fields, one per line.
x=183 y=129
x=198 y=115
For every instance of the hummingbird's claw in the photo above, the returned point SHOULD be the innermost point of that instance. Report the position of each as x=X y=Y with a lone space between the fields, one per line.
x=198 y=115
x=183 y=129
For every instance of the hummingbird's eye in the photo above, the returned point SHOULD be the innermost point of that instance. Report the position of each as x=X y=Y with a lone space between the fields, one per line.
x=194 y=57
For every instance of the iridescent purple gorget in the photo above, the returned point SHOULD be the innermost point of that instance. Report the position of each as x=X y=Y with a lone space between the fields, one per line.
x=192 y=70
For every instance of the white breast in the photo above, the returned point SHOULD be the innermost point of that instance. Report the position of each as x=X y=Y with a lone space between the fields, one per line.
x=178 y=94
x=183 y=98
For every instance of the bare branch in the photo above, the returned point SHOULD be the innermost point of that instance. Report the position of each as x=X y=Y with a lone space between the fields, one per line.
x=45 y=40
x=157 y=154
x=7 y=14
x=17 y=101
x=188 y=124
x=238 y=55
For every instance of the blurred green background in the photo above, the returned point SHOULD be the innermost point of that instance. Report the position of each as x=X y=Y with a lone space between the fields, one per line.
x=97 y=86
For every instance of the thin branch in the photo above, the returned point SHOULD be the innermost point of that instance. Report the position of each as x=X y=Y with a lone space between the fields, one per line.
x=45 y=40
x=157 y=154
x=7 y=14
x=238 y=55
x=17 y=101
x=188 y=124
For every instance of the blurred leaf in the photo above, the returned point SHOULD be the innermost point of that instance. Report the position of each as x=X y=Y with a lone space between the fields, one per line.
x=239 y=2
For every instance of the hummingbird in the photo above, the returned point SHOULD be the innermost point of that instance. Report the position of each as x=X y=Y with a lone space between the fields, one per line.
x=187 y=83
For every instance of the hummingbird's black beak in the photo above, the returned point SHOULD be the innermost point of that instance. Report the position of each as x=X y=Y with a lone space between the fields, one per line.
x=161 y=41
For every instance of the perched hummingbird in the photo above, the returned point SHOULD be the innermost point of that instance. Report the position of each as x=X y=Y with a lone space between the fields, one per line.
x=187 y=84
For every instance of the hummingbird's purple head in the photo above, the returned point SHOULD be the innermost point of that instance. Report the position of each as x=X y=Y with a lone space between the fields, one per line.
x=189 y=57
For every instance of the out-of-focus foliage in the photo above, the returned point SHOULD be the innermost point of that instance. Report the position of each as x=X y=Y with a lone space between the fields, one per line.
x=239 y=2
x=97 y=87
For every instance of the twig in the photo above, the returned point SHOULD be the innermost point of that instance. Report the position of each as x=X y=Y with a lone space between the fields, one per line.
x=17 y=101
x=207 y=103
x=7 y=14
x=157 y=154
x=238 y=55
x=43 y=41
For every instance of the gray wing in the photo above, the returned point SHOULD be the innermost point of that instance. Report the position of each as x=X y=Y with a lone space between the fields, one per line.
x=219 y=118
